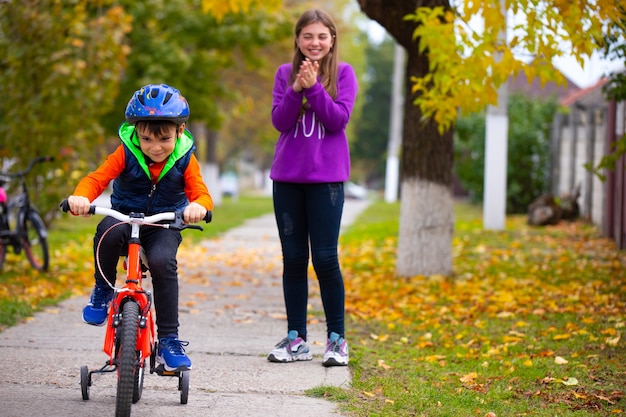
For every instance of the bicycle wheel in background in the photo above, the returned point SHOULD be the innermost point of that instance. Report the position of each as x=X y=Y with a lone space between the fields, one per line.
x=35 y=241
x=4 y=228
x=126 y=358
x=3 y=254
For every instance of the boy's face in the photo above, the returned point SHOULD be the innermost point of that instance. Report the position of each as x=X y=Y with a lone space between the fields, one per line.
x=159 y=146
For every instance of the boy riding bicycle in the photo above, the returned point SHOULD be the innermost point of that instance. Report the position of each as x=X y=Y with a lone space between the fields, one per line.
x=153 y=170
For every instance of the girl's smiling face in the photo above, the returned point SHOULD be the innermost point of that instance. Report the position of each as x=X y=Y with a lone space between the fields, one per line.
x=315 y=41
x=159 y=146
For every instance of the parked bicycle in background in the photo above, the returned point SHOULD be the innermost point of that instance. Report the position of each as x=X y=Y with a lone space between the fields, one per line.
x=21 y=226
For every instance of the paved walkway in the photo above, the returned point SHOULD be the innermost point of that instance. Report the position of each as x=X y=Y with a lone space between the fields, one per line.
x=232 y=313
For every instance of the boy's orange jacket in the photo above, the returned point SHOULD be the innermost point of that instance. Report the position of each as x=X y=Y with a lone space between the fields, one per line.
x=94 y=184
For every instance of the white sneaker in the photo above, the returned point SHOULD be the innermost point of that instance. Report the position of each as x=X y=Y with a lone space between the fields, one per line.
x=336 y=351
x=291 y=348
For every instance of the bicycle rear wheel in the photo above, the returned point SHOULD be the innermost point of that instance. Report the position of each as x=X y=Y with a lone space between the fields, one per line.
x=35 y=241
x=126 y=359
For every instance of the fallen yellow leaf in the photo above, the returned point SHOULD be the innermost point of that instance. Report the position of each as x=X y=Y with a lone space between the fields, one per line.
x=613 y=341
x=570 y=381
x=383 y=365
x=469 y=378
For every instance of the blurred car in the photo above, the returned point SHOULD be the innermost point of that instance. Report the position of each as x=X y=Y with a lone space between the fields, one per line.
x=354 y=191
x=229 y=184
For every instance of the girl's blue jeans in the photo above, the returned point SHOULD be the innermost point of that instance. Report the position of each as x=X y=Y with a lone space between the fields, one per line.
x=310 y=214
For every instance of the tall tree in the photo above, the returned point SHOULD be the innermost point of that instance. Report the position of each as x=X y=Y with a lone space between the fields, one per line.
x=426 y=217
x=59 y=66
x=173 y=43
x=452 y=67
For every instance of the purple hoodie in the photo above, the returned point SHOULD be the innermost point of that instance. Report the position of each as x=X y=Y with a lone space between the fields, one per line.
x=313 y=148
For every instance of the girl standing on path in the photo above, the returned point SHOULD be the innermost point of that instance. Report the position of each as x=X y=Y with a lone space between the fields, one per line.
x=313 y=98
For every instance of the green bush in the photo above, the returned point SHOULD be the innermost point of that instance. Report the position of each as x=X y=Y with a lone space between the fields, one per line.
x=530 y=121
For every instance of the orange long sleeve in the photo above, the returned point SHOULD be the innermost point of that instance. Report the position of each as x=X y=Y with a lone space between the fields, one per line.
x=94 y=184
x=195 y=188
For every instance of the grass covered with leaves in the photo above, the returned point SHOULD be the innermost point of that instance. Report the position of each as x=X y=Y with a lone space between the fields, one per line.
x=24 y=291
x=529 y=325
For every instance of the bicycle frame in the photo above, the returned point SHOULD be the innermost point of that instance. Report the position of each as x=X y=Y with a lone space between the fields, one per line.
x=132 y=289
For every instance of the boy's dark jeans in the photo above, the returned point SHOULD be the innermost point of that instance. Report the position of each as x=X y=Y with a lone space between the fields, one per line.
x=310 y=213
x=161 y=247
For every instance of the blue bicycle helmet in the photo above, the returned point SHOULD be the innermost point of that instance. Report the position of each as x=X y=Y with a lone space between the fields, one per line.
x=157 y=102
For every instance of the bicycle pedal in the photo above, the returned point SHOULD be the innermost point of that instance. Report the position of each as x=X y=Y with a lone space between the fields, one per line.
x=161 y=371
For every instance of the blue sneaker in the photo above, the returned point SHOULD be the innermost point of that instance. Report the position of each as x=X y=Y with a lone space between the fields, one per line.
x=96 y=310
x=171 y=354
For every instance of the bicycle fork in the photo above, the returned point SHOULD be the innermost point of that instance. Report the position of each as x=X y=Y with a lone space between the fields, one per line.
x=132 y=292
x=145 y=330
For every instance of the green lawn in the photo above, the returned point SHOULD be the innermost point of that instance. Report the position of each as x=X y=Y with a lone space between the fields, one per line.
x=529 y=324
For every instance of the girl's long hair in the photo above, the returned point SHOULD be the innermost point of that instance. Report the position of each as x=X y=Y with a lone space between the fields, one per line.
x=328 y=64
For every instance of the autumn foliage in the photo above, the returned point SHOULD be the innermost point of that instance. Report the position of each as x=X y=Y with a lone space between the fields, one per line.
x=469 y=61
x=533 y=317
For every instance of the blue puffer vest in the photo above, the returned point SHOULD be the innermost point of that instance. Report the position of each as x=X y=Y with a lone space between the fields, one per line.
x=133 y=189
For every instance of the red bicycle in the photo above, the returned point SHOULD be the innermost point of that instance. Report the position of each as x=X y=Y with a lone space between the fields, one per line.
x=129 y=339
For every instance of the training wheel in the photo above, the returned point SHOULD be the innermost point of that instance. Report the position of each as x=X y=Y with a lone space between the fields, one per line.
x=183 y=386
x=153 y=358
x=84 y=382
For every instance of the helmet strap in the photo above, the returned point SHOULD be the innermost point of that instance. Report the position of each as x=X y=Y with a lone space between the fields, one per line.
x=134 y=136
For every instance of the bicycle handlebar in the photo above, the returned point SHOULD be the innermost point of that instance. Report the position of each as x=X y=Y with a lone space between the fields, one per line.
x=30 y=166
x=175 y=217
x=104 y=211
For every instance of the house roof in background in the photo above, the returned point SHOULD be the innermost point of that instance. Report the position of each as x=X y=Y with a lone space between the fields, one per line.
x=534 y=89
x=586 y=97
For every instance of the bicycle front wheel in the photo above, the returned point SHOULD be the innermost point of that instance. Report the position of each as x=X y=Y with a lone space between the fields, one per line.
x=35 y=241
x=126 y=358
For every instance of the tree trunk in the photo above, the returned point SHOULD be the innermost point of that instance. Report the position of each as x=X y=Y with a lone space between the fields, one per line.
x=426 y=213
